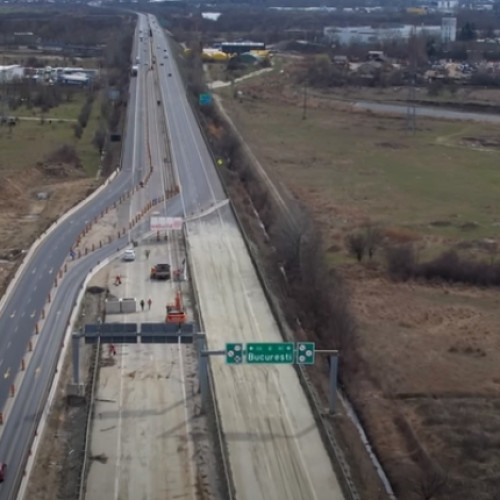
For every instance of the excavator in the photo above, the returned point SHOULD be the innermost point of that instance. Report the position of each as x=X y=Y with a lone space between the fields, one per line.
x=175 y=312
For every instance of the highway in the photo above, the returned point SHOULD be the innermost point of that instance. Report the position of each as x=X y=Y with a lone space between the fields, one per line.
x=23 y=307
x=275 y=449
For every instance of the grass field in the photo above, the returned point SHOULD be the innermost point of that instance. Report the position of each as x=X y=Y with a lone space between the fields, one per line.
x=29 y=142
x=45 y=138
x=68 y=110
x=372 y=166
x=428 y=370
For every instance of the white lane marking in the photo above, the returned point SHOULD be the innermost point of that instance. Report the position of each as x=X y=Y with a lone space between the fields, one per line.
x=22 y=315
x=186 y=415
x=34 y=271
x=9 y=344
x=13 y=314
x=32 y=315
x=51 y=270
x=7 y=373
x=119 y=441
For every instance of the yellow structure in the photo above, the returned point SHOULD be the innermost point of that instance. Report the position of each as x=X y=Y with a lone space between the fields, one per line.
x=263 y=54
x=214 y=55
x=419 y=11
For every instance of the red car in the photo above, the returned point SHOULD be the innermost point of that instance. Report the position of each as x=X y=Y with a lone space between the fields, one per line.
x=3 y=467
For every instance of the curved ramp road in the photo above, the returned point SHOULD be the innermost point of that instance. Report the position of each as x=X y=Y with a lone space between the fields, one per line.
x=23 y=307
x=275 y=450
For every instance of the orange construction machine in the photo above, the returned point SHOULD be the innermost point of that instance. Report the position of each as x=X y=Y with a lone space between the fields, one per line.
x=175 y=312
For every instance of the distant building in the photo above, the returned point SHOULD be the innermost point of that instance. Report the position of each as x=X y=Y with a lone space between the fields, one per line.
x=241 y=47
x=447 y=6
x=369 y=34
x=449 y=29
x=10 y=73
x=26 y=38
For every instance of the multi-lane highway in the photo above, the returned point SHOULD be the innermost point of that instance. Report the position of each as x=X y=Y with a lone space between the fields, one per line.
x=23 y=307
x=275 y=449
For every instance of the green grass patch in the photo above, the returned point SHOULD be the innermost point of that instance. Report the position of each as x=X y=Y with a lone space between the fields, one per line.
x=29 y=142
x=373 y=165
x=67 y=110
x=88 y=153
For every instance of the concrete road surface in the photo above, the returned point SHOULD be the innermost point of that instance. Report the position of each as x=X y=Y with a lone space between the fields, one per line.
x=275 y=449
x=141 y=437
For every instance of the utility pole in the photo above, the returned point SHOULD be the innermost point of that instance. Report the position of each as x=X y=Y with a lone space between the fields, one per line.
x=411 y=111
x=304 y=103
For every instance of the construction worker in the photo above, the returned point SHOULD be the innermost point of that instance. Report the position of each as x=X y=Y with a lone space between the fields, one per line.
x=147 y=252
x=142 y=304
x=149 y=303
x=118 y=280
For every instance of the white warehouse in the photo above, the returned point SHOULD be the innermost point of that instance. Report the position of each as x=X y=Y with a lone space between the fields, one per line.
x=9 y=73
x=369 y=34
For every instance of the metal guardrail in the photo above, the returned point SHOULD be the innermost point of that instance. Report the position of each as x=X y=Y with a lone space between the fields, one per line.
x=88 y=422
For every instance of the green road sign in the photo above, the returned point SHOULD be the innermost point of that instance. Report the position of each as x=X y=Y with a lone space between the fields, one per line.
x=234 y=353
x=270 y=352
x=305 y=353
x=205 y=99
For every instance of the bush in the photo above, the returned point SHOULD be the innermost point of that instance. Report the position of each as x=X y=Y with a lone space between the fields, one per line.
x=401 y=262
x=356 y=244
x=78 y=130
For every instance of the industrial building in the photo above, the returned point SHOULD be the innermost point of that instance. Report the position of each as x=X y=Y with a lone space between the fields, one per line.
x=11 y=72
x=368 y=34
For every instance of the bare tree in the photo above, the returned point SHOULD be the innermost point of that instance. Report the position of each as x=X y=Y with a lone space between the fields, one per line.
x=429 y=483
x=99 y=140
x=357 y=245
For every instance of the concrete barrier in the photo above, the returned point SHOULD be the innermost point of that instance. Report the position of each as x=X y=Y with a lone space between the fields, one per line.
x=128 y=305
x=113 y=306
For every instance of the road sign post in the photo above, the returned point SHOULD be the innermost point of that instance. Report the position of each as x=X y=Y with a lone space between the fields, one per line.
x=270 y=353
x=305 y=353
x=332 y=400
x=205 y=99
x=234 y=353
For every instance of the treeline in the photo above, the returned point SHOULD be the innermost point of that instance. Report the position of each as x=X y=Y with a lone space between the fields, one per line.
x=85 y=27
x=402 y=264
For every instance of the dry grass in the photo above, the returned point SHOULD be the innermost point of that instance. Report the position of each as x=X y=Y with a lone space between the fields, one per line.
x=427 y=369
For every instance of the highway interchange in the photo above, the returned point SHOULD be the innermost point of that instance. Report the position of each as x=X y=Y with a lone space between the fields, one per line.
x=274 y=447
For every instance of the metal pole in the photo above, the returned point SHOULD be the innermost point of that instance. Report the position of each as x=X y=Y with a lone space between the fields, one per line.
x=203 y=377
x=76 y=357
x=332 y=400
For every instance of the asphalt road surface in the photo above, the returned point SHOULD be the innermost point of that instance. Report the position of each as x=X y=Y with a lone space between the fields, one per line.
x=275 y=450
x=23 y=307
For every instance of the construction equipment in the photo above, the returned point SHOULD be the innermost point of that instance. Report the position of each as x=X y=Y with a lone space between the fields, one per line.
x=175 y=312
x=179 y=274
x=160 y=272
